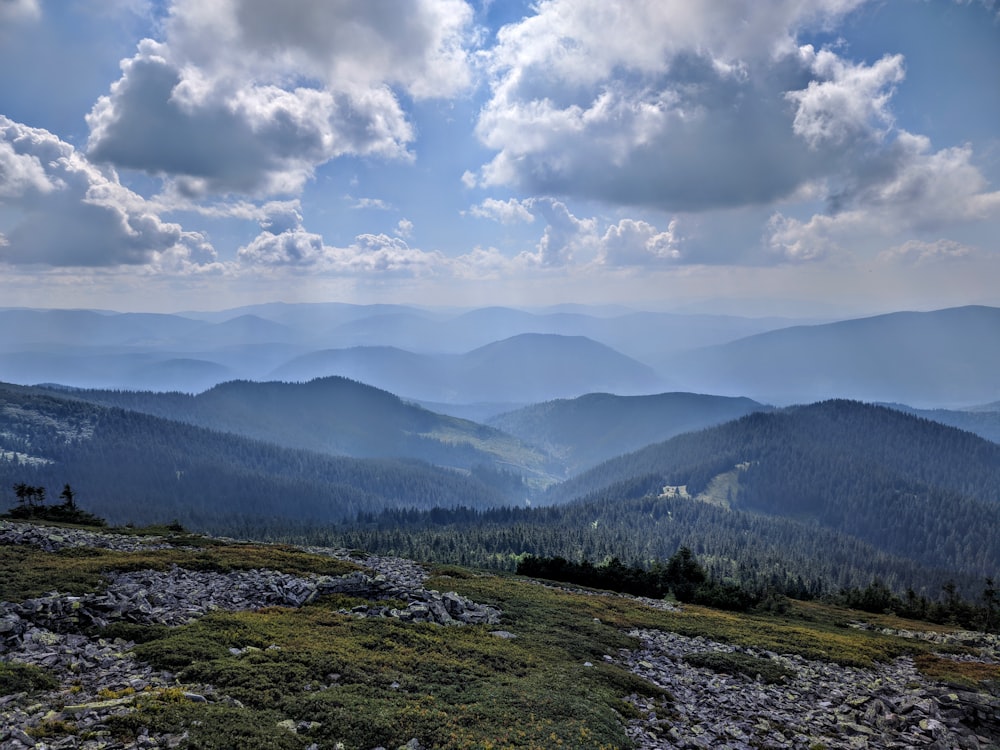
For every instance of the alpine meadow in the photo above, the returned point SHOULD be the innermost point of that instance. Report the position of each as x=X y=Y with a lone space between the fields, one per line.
x=497 y=375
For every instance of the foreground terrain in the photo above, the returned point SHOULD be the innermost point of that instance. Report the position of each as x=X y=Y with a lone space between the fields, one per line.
x=162 y=639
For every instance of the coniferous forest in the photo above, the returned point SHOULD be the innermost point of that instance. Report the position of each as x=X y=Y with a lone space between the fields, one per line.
x=810 y=501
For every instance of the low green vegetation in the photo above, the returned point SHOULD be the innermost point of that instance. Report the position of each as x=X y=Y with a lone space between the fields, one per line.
x=288 y=678
x=27 y=572
x=754 y=667
x=24 y=678
x=381 y=682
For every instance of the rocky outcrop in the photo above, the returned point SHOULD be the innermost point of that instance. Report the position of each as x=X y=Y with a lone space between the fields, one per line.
x=822 y=705
x=99 y=678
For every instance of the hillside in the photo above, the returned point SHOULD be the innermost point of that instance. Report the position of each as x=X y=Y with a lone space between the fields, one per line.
x=162 y=639
x=590 y=429
x=129 y=466
x=906 y=486
x=339 y=417
x=983 y=421
x=524 y=368
x=945 y=358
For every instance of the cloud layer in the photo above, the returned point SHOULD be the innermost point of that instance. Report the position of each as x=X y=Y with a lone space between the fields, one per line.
x=586 y=139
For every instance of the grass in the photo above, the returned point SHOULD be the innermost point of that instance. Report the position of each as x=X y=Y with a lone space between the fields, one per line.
x=381 y=682
x=372 y=682
x=27 y=572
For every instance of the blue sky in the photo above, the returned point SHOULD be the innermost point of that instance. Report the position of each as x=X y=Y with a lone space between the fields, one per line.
x=833 y=157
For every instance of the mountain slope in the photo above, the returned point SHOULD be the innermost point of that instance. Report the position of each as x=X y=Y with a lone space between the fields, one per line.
x=905 y=485
x=524 y=368
x=340 y=417
x=129 y=466
x=584 y=431
x=933 y=359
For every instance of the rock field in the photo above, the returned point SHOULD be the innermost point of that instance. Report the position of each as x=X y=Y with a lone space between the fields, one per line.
x=820 y=705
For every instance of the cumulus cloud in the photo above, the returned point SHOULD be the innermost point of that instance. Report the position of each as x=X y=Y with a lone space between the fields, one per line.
x=68 y=212
x=510 y=211
x=675 y=106
x=404 y=228
x=638 y=243
x=907 y=189
x=849 y=102
x=247 y=96
x=285 y=243
x=369 y=203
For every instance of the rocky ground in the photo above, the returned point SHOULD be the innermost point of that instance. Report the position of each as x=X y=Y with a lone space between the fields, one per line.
x=818 y=705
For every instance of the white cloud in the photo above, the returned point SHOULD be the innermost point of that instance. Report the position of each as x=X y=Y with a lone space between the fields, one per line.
x=908 y=189
x=682 y=107
x=510 y=211
x=638 y=243
x=68 y=212
x=369 y=203
x=248 y=96
x=671 y=105
x=259 y=139
x=423 y=51
x=849 y=103
x=285 y=243
x=404 y=228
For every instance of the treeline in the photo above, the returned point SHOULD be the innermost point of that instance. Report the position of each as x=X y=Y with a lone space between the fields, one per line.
x=974 y=614
x=758 y=552
x=682 y=575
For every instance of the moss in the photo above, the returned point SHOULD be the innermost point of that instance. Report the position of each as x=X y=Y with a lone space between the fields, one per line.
x=768 y=670
x=964 y=674
x=27 y=572
x=24 y=678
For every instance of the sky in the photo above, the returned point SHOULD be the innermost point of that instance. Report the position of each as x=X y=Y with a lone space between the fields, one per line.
x=757 y=157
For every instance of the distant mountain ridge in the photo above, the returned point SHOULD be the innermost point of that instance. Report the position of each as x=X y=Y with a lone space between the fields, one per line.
x=524 y=368
x=939 y=358
x=594 y=427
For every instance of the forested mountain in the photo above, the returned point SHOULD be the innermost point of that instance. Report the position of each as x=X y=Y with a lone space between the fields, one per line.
x=946 y=358
x=129 y=466
x=340 y=417
x=633 y=523
x=587 y=430
x=982 y=421
x=907 y=486
x=525 y=368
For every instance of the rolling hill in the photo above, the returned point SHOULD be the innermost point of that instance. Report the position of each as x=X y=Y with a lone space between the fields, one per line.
x=341 y=417
x=524 y=368
x=940 y=359
x=128 y=466
x=587 y=430
x=906 y=486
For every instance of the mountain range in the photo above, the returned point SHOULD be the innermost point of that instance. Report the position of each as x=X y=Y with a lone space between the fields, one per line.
x=459 y=359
